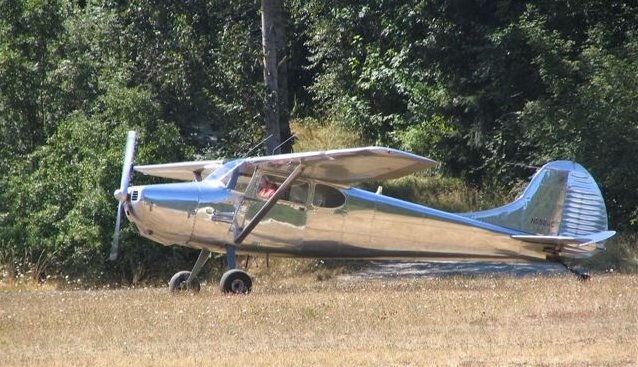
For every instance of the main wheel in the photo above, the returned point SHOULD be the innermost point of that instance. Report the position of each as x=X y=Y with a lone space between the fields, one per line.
x=235 y=281
x=178 y=283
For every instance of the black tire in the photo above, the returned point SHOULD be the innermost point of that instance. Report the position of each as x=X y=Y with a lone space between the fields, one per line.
x=236 y=281
x=178 y=283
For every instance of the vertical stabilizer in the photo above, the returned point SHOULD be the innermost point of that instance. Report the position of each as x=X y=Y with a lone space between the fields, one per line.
x=561 y=199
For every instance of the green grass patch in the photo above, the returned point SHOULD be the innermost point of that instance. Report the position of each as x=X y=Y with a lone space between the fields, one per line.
x=314 y=135
x=445 y=193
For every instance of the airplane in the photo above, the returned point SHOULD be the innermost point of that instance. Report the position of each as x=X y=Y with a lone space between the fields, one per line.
x=304 y=205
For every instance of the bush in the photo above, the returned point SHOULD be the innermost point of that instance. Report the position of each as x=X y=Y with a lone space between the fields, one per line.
x=60 y=210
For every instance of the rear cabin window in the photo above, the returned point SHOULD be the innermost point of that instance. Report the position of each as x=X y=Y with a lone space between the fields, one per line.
x=328 y=197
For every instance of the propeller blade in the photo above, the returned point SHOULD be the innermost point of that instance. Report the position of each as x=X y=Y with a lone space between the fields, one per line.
x=127 y=167
x=116 y=233
x=121 y=194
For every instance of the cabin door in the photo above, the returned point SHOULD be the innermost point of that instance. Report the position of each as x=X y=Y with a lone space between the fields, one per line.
x=281 y=230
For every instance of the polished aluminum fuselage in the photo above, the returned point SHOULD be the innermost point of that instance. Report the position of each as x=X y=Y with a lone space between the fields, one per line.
x=205 y=214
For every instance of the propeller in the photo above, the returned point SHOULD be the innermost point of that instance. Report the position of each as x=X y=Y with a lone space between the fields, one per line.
x=116 y=233
x=121 y=194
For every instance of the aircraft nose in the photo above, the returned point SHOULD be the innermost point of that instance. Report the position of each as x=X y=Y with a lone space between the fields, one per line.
x=214 y=216
x=164 y=212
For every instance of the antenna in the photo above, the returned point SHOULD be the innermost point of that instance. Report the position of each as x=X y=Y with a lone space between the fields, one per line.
x=284 y=142
x=257 y=146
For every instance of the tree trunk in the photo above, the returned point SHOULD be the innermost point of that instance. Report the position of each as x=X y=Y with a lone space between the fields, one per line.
x=275 y=74
x=282 y=72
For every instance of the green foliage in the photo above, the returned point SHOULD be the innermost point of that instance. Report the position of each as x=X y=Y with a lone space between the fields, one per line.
x=29 y=37
x=202 y=60
x=73 y=78
x=423 y=138
x=489 y=89
x=59 y=198
x=589 y=114
x=367 y=75
x=444 y=193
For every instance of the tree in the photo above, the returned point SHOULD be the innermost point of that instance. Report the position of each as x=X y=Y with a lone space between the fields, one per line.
x=29 y=42
x=276 y=110
x=588 y=113
x=61 y=211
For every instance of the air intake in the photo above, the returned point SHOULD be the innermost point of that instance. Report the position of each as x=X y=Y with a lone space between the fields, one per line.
x=135 y=195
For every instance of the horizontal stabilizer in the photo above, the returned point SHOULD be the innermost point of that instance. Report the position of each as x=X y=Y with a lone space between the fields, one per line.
x=183 y=171
x=567 y=240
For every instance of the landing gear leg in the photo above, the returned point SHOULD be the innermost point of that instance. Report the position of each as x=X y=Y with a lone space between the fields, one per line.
x=582 y=275
x=231 y=258
x=187 y=280
x=234 y=280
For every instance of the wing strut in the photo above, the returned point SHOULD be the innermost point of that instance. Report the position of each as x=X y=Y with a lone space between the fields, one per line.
x=239 y=237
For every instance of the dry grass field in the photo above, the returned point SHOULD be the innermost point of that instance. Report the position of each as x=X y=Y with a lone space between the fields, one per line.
x=457 y=321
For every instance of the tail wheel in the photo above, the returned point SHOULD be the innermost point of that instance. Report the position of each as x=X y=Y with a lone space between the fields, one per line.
x=236 y=281
x=178 y=283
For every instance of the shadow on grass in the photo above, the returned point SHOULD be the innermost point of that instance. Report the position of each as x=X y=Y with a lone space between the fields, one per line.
x=435 y=269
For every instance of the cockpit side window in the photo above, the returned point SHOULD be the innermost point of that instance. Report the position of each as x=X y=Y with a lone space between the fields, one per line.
x=234 y=175
x=328 y=197
x=223 y=173
x=296 y=193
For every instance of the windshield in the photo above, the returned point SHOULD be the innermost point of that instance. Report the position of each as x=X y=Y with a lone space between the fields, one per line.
x=222 y=173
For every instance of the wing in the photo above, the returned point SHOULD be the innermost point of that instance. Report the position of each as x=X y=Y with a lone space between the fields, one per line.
x=342 y=166
x=346 y=166
x=183 y=171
